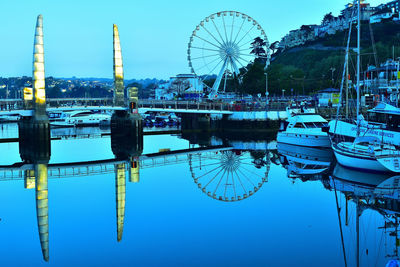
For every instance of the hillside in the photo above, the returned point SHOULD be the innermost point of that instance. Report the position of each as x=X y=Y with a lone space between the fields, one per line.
x=308 y=67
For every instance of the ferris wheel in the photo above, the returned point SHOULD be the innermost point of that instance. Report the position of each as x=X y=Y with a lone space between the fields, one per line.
x=228 y=175
x=224 y=44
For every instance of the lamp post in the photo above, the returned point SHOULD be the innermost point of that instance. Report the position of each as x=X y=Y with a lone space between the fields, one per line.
x=332 y=70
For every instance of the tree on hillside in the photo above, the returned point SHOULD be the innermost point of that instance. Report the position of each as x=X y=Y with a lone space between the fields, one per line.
x=274 y=46
x=327 y=18
x=305 y=28
x=257 y=47
x=254 y=79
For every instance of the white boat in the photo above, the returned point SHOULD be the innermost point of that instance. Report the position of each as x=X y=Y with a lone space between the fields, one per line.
x=305 y=130
x=82 y=118
x=368 y=153
x=383 y=122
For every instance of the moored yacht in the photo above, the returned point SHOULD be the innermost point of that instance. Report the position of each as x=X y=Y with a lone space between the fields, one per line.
x=82 y=118
x=305 y=130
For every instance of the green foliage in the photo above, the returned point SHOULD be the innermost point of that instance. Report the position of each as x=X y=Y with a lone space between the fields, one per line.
x=254 y=80
x=309 y=67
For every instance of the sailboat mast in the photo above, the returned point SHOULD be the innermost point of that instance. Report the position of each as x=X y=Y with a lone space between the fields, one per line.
x=358 y=63
x=347 y=88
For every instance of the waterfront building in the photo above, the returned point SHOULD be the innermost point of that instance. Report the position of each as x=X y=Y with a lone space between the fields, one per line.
x=327 y=96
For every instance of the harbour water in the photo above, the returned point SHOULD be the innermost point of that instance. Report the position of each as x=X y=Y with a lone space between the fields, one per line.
x=260 y=206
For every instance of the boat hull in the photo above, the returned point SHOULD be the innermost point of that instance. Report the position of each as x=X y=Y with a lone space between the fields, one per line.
x=359 y=162
x=390 y=163
x=308 y=140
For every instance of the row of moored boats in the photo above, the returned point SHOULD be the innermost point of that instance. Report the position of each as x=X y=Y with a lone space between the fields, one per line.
x=359 y=144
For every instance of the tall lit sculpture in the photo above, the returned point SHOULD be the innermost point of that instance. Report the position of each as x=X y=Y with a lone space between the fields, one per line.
x=39 y=92
x=118 y=70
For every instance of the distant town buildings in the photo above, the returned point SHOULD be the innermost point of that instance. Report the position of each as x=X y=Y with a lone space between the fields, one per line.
x=331 y=24
x=180 y=86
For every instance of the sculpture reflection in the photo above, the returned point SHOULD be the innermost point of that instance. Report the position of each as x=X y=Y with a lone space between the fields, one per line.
x=127 y=146
x=35 y=150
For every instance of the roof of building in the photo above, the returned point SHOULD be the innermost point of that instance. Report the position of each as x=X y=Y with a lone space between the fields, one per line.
x=329 y=90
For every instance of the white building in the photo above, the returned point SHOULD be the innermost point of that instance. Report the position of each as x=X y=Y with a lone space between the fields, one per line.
x=182 y=85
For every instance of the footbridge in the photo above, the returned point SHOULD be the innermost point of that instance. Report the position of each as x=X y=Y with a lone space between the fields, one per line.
x=17 y=171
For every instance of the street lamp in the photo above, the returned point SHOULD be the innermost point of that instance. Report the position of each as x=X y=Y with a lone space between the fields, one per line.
x=332 y=70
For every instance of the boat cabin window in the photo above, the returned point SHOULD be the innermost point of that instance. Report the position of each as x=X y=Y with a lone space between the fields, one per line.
x=315 y=124
x=310 y=125
x=299 y=125
x=82 y=114
x=391 y=121
x=320 y=124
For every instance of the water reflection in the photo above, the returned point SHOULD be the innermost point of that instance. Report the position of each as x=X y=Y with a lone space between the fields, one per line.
x=367 y=192
x=35 y=150
x=304 y=161
x=375 y=192
x=230 y=175
x=231 y=169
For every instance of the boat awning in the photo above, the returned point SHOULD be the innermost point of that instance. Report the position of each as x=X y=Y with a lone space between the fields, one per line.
x=308 y=118
x=385 y=108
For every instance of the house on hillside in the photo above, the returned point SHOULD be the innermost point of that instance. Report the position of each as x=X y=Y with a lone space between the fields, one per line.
x=298 y=37
x=382 y=15
x=392 y=5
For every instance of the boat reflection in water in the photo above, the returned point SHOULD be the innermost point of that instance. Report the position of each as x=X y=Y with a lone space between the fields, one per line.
x=304 y=161
x=370 y=192
x=363 y=193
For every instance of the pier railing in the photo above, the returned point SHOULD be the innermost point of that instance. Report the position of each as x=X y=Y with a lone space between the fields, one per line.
x=18 y=104
x=222 y=106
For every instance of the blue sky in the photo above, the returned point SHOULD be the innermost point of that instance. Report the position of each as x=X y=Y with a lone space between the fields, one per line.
x=154 y=34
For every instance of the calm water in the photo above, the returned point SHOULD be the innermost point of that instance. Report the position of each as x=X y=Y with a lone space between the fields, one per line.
x=213 y=200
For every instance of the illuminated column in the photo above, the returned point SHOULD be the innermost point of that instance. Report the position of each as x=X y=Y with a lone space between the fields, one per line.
x=120 y=192
x=42 y=208
x=29 y=179
x=134 y=174
x=133 y=99
x=39 y=93
x=118 y=71
x=28 y=98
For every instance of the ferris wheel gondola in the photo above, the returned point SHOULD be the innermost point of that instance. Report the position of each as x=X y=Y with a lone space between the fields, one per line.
x=223 y=43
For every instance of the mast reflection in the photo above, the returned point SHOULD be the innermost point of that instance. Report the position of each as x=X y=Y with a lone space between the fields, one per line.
x=371 y=191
